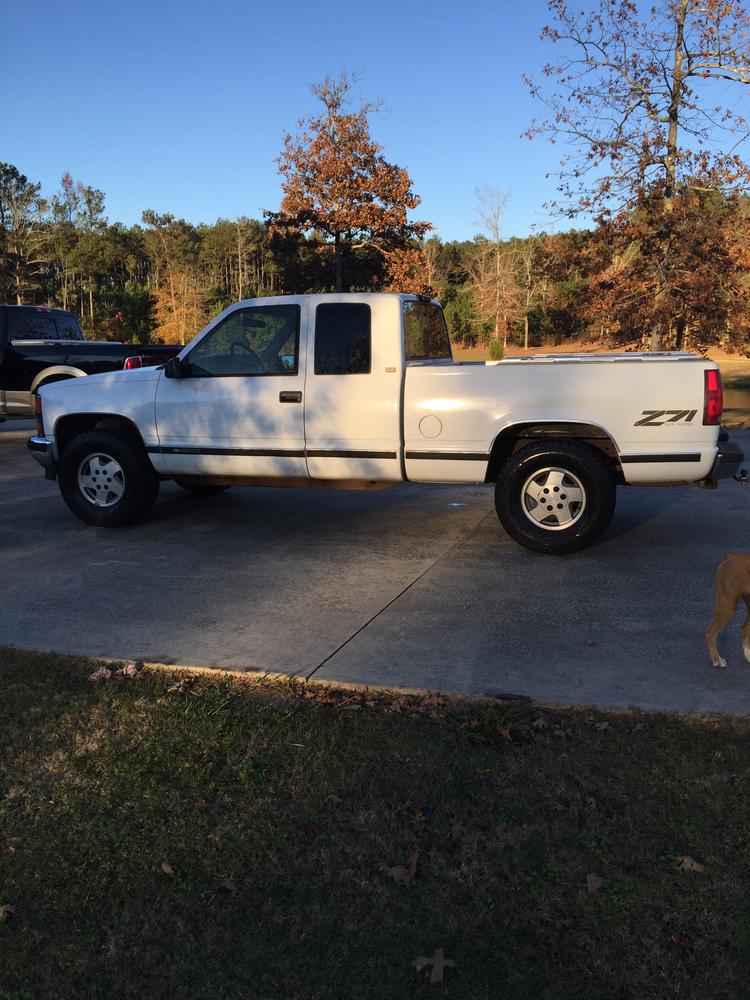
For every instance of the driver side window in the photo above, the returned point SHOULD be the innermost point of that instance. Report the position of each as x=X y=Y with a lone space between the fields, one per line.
x=262 y=340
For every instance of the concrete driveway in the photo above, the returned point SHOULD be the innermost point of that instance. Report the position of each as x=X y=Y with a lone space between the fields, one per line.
x=417 y=586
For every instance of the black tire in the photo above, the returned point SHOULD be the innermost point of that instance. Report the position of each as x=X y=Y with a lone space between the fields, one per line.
x=201 y=489
x=136 y=481
x=556 y=523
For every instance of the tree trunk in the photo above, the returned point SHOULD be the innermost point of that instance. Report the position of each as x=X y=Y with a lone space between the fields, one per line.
x=526 y=331
x=339 y=270
x=675 y=106
x=657 y=337
x=680 y=330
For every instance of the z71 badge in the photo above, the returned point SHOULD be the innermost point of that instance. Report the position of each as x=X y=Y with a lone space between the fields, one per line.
x=657 y=418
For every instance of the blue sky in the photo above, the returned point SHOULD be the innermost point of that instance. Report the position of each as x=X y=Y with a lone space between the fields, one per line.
x=181 y=107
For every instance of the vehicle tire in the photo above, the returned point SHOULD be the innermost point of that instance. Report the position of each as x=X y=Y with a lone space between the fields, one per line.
x=555 y=496
x=201 y=489
x=106 y=479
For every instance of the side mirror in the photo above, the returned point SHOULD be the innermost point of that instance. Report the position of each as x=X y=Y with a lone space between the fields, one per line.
x=176 y=368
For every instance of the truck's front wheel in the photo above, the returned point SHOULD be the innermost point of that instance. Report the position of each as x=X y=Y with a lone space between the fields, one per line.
x=106 y=478
x=555 y=496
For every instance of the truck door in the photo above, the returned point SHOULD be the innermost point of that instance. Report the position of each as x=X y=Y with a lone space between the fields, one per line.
x=352 y=390
x=239 y=411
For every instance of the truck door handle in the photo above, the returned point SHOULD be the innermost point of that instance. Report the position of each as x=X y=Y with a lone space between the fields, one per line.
x=290 y=397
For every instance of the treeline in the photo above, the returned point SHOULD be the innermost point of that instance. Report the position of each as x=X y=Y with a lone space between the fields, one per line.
x=164 y=279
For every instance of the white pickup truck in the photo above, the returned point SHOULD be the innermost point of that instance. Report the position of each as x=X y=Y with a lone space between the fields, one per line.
x=361 y=391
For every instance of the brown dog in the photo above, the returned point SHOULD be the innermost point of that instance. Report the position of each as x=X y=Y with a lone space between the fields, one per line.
x=732 y=583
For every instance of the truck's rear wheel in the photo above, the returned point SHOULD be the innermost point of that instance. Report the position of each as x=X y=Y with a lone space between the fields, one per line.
x=106 y=478
x=555 y=496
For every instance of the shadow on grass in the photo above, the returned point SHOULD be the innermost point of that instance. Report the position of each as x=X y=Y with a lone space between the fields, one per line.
x=184 y=835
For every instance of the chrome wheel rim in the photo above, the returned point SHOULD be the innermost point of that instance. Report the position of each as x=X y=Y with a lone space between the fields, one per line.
x=553 y=498
x=101 y=480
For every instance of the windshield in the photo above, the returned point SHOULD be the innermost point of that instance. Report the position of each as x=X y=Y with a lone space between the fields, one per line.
x=425 y=333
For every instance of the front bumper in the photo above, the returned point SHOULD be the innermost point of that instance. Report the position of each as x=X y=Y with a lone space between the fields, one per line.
x=43 y=450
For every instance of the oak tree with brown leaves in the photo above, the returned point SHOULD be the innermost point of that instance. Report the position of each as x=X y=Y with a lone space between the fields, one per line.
x=634 y=98
x=337 y=183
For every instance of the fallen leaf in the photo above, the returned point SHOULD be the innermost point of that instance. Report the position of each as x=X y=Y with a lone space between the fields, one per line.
x=680 y=939
x=401 y=873
x=133 y=669
x=6 y=909
x=605 y=726
x=419 y=816
x=181 y=686
x=540 y=723
x=594 y=882
x=101 y=674
x=507 y=734
x=438 y=962
x=590 y=642
x=228 y=886
x=333 y=800
x=201 y=805
x=167 y=868
x=559 y=733
x=688 y=864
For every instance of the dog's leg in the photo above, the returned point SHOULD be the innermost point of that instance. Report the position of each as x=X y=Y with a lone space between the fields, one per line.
x=725 y=609
x=746 y=631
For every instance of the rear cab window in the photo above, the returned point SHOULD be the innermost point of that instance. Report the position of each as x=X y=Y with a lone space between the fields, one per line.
x=67 y=327
x=425 y=332
x=343 y=338
x=42 y=324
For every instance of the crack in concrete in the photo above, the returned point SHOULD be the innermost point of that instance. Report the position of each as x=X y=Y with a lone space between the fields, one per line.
x=444 y=555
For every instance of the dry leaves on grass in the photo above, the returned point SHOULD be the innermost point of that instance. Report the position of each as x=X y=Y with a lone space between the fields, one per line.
x=167 y=869
x=101 y=674
x=6 y=910
x=134 y=669
x=106 y=673
x=438 y=962
x=228 y=886
x=181 y=686
x=688 y=864
x=402 y=873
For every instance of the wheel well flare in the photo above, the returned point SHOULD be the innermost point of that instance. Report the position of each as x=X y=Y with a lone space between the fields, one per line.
x=72 y=425
x=512 y=439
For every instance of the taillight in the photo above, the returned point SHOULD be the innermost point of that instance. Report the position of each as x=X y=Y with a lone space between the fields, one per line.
x=713 y=397
x=38 y=415
x=136 y=361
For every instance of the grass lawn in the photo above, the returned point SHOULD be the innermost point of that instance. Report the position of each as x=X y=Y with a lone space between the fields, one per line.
x=229 y=837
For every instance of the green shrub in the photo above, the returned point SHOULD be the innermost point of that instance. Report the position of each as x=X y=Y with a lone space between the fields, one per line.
x=497 y=349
